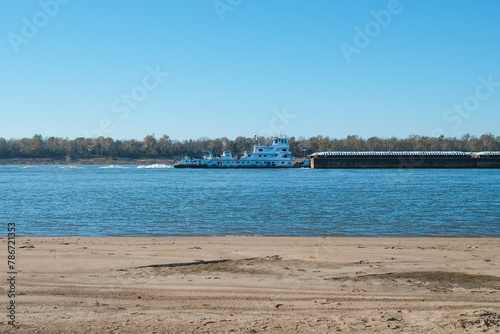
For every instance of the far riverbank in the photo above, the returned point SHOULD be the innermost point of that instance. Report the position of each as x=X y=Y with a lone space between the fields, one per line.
x=93 y=161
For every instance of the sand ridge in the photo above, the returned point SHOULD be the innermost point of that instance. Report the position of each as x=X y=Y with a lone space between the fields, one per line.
x=257 y=285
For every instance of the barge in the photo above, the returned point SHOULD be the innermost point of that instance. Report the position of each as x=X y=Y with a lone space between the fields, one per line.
x=410 y=159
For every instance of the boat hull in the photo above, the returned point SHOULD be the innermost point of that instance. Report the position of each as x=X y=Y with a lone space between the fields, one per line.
x=231 y=167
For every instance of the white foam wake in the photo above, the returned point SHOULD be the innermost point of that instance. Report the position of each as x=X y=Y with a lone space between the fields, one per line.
x=70 y=167
x=113 y=166
x=156 y=166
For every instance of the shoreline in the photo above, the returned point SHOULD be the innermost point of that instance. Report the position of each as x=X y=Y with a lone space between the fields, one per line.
x=263 y=284
x=267 y=236
x=94 y=161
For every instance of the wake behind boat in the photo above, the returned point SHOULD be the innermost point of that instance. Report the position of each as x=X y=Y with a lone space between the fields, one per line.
x=276 y=155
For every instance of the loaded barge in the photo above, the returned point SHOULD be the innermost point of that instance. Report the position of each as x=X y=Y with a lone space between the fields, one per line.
x=411 y=159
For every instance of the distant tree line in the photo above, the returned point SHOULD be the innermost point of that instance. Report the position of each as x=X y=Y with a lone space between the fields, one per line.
x=165 y=147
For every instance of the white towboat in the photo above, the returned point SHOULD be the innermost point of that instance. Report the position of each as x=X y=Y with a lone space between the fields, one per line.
x=276 y=155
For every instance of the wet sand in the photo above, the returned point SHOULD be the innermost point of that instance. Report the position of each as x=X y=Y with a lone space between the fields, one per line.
x=255 y=285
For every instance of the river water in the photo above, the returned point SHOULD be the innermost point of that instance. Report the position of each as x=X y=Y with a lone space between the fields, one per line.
x=132 y=201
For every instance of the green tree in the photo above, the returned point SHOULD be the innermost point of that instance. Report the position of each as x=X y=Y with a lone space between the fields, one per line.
x=150 y=146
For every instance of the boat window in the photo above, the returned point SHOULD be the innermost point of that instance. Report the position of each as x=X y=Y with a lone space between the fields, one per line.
x=260 y=150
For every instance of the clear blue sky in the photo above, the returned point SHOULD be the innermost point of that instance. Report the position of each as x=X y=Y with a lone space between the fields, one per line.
x=331 y=68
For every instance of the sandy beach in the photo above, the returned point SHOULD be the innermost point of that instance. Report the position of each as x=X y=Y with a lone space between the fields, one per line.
x=254 y=285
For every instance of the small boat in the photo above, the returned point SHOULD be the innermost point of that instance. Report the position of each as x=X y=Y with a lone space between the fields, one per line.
x=276 y=155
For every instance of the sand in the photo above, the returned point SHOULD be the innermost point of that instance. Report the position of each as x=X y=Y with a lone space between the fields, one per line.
x=255 y=285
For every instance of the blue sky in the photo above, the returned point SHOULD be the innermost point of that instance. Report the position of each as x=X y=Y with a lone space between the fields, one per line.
x=192 y=69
